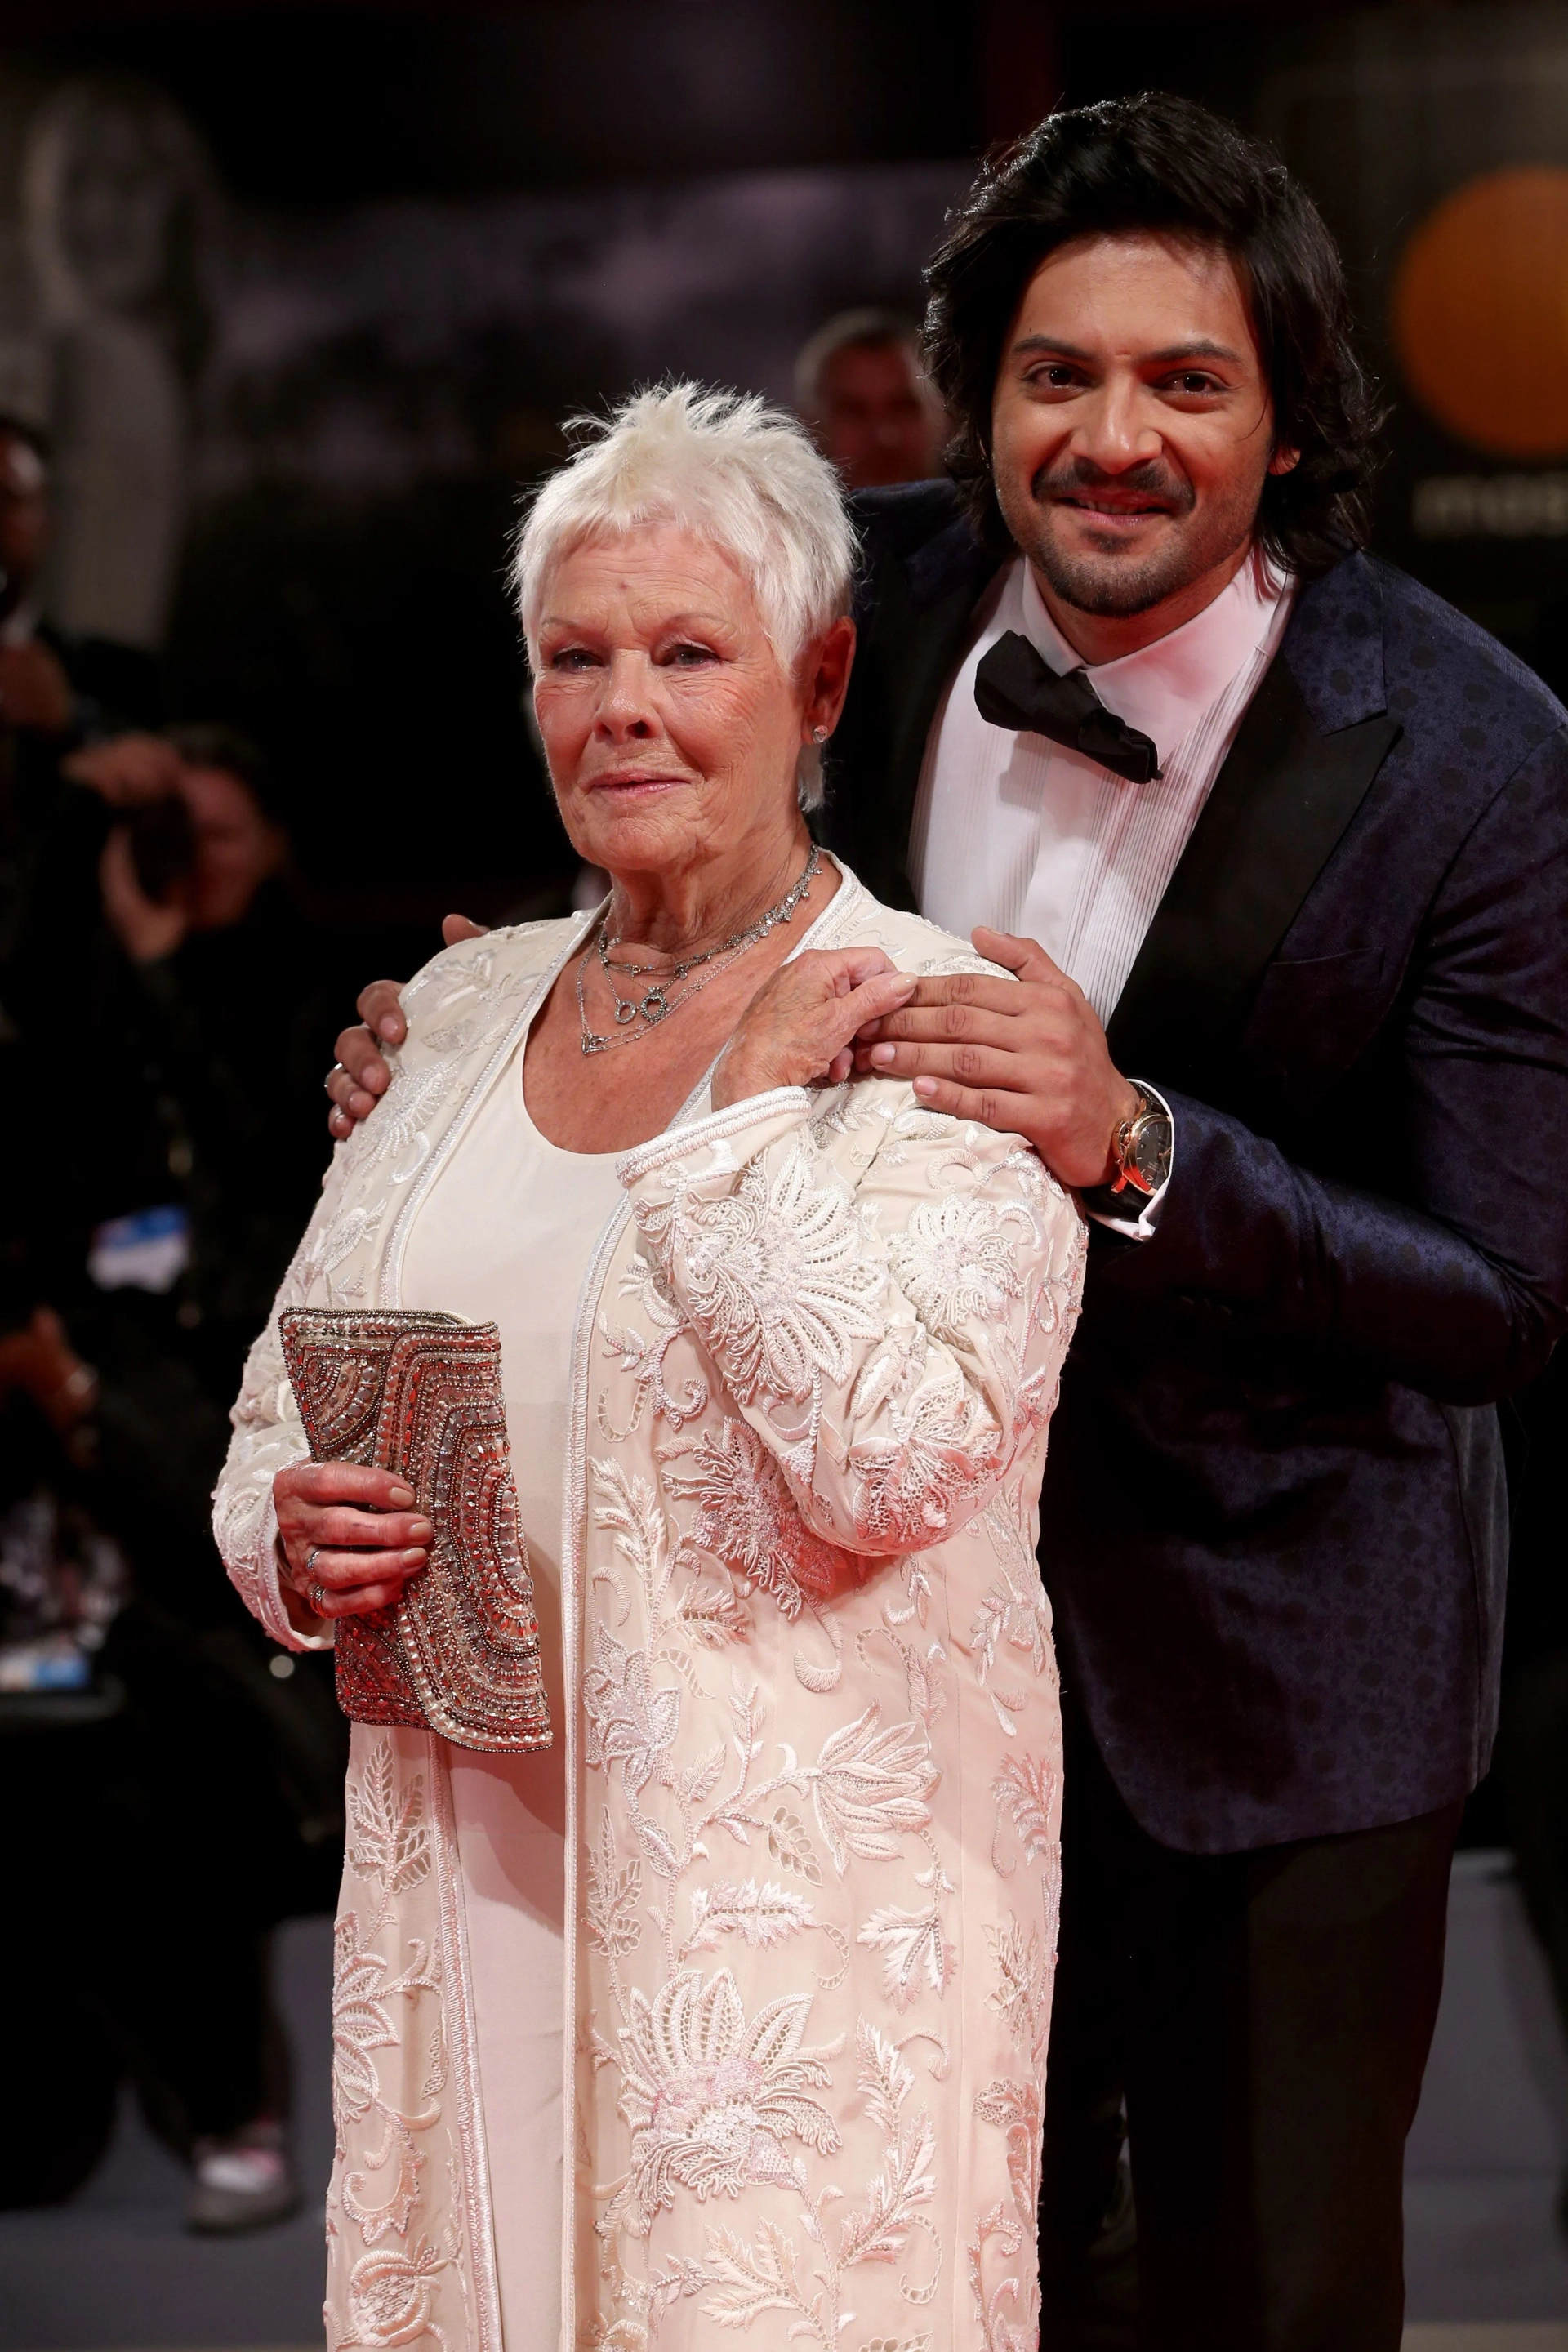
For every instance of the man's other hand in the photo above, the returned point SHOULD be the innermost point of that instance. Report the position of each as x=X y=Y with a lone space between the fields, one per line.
x=1026 y=1056
x=360 y=1074
x=127 y=771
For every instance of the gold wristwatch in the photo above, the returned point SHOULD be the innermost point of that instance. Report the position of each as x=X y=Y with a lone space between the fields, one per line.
x=1141 y=1146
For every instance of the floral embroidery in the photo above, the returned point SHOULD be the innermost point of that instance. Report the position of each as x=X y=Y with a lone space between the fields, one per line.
x=919 y=1482
x=390 y=2295
x=764 y=1914
x=956 y=1263
x=746 y=1519
x=746 y=2278
x=379 y=2194
x=644 y=1360
x=777 y=1277
x=1022 y=1999
x=712 y=2101
x=403 y=1117
x=789 y=1842
x=820 y=1367
x=628 y=1722
x=869 y=1786
x=1015 y=2107
x=1028 y=1791
x=916 y=1956
x=614 y=1893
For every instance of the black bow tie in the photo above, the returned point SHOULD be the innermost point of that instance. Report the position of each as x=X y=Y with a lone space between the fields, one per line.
x=1014 y=687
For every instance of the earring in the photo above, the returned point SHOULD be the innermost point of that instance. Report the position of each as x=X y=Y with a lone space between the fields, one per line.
x=819 y=734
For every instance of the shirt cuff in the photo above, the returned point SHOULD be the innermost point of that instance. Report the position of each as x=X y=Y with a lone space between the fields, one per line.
x=1111 y=1210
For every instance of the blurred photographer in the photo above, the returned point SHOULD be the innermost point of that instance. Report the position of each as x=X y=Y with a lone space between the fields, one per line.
x=57 y=692
x=161 y=1246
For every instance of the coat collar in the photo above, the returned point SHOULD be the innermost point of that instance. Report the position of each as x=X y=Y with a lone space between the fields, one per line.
x=1333 y=647
x=951 y=564
x=1314 y=738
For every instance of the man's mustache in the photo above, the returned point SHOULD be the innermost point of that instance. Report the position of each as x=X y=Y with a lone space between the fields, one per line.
x=1079 y=478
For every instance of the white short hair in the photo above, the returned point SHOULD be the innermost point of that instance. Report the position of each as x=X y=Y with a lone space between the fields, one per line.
x=726 y=467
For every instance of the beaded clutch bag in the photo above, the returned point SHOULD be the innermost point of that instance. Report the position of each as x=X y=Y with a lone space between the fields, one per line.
x=420 y=1394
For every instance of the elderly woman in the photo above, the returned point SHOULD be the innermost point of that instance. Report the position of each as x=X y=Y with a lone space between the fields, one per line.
x=729 y=2011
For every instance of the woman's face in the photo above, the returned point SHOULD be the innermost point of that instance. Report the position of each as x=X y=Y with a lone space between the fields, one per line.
x=671 y=728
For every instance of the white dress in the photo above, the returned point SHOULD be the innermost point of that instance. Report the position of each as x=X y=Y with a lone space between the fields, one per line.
x=811 y=1734
x=505 y=1236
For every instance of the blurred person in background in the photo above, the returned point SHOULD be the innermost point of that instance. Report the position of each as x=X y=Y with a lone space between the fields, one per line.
x=55 y=685
x=199 y=1772
x=56 y=691
x=191 y=924
x=861 y=386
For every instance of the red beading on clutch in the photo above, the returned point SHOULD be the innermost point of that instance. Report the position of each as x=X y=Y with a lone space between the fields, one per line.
x=420 y=1394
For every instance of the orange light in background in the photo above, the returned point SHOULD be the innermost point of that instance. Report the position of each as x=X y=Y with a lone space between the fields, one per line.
x=1481 y=312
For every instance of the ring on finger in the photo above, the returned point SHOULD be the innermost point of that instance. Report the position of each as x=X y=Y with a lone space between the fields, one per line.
x=337 y=1071
x=317 y=1596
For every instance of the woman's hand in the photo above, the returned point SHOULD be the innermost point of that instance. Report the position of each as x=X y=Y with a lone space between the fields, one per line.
x=799 y=1028
x=350 y=1536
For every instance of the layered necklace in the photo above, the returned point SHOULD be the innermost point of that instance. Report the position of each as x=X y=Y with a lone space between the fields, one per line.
x=638 y=1014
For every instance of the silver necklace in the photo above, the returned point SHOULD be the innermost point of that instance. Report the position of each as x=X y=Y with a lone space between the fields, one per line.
x=637 y=1015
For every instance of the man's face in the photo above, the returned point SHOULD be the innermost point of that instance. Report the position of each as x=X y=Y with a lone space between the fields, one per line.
x=24 y=515
x=1133 y=429
x=879 y=420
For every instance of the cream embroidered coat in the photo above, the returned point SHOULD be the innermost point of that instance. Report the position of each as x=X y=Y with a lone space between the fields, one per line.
x=814 y=1773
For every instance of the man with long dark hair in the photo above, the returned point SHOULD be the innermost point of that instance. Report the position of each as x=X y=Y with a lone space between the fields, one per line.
x=1275 y=845
x=1295 y=833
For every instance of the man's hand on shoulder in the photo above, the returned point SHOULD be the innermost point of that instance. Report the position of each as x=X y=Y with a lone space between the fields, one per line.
x=1027 y=1057
x=359 y=1075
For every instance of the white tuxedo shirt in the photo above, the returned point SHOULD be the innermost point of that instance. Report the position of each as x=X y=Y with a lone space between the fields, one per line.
x=1030 y=838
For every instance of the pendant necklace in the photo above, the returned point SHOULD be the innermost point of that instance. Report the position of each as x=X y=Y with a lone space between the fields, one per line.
x=638 y=1015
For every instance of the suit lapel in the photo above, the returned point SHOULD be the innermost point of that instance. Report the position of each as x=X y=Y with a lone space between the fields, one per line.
x=1277 y=810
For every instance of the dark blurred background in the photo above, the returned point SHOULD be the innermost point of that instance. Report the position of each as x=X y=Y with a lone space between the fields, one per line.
x=383 y=249
x=293 y=302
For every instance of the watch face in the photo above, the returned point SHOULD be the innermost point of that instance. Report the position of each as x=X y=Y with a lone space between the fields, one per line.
x=1150 y=1152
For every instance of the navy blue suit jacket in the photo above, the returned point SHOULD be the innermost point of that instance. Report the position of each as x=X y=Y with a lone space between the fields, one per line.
x=1274 y=1514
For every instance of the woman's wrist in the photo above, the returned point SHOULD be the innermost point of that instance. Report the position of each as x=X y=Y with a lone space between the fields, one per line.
x=737 y=1079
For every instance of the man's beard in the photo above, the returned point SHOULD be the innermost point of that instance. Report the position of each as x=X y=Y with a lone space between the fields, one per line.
x=1112 y=584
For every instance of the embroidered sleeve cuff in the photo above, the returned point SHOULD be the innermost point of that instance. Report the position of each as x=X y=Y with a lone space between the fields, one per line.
x=1114 y=1210
x=754 y=1124
x=274 y=1610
